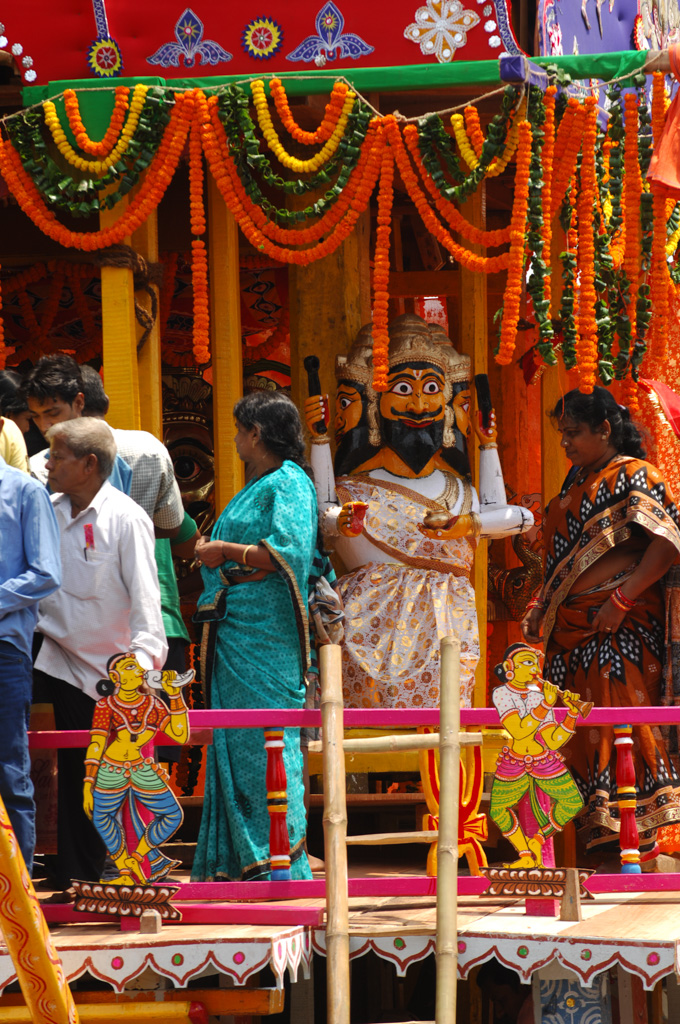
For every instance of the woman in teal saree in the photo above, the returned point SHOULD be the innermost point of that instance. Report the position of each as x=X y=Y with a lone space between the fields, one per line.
x=255 y=638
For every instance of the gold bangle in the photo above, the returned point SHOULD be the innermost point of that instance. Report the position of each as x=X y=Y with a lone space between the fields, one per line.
x=488 y=444
x=244 y=556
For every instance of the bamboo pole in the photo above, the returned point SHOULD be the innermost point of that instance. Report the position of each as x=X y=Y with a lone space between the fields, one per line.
x=447 y=844
x=335 y=837
x=424 y=741
x=145 y=242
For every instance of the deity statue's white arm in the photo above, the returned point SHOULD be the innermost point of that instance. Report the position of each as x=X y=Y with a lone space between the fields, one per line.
x=498 y=518
x=324 y=480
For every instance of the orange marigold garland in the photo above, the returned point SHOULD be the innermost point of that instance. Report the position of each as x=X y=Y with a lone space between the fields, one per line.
x=151 y=191
x=632 y=188
x=513 y=288
x=474 y=129
x=3 y=349
x=199 y=258
x=467 y=259
x=568 y=145
x=547 y=157
x=381 y=273
x=586 y=341
x=330 y=119
x=659 y=276
x=103 y=148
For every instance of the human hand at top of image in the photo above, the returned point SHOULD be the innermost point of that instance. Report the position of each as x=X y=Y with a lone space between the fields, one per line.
x=531 y=623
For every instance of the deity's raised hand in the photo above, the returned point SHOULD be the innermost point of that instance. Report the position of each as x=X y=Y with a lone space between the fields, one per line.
x=317 y=410
x=489 y=434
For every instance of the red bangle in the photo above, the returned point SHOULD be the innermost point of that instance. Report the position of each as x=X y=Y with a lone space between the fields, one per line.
x=623 y=603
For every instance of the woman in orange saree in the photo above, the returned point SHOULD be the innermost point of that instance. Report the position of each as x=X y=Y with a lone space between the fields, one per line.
x=611 y=533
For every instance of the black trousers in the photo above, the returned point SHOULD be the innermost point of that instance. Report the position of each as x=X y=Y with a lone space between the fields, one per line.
x=80 y=849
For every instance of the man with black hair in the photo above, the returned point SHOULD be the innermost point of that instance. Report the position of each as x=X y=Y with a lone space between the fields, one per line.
x=512 y=1000
x=54 y=392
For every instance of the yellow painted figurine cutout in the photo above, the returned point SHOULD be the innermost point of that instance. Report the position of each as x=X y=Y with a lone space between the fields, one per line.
x=117 y=773
x=531 y=763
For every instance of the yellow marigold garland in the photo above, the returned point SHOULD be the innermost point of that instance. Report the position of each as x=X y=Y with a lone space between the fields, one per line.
x=472 y=152
x=96 y=166
x=513 y=289
x=586 y=341
x=272 y=139
x=104 y=146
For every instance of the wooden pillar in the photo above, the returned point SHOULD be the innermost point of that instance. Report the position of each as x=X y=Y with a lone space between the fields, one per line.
x=225 y=334
x=330 y=301
x=554 y=463
x=474 y=342
x=119 y=336
x=145 y=242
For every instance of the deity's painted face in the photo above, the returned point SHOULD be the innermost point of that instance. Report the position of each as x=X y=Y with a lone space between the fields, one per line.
x=348 y=409
x=461 y=408
x=414 y=396
x=526 y=668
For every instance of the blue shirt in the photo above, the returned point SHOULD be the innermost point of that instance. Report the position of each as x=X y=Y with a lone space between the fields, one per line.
x=30 y=561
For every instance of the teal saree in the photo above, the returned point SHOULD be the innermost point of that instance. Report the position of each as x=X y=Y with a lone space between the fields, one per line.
x=254 y=654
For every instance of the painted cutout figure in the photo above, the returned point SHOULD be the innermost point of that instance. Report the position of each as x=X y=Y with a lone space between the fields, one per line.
x=404 y=453
x=126 y=719
x=530 y=763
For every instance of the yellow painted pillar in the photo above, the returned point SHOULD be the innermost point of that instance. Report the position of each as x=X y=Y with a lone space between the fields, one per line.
x=225 y=341
x=330 y=301
x=119 y=336
x=474 y=342
x=145 y=242
x=554 y=463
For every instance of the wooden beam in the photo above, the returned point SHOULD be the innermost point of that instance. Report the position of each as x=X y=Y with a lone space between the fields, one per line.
x=257 y=1002
x=119 y=336
x=225 y=332
x=329 y=302
x=554 y=463
x=413 y=283
x=145 y=242
x=475 y=343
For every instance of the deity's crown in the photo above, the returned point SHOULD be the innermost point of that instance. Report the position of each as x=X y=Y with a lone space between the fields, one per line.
x=412 y=340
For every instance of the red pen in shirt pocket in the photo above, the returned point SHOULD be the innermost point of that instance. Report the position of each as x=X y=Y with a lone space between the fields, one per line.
x=89 y=539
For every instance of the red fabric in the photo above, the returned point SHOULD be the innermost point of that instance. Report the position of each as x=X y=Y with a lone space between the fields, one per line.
x=664 y=167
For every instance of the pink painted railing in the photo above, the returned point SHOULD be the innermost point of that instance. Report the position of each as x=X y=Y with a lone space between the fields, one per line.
x=202 y=723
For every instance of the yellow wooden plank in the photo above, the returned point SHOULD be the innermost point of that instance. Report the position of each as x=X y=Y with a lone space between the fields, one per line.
x=225 y=333
x=145 y=242
x=475 y=343
x=257 y=1002
x=554 y=463
x=119 y=336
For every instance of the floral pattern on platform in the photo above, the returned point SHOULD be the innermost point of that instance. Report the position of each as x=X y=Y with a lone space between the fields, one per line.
x=180 y=958
x=330 y=42
x=190 y=44
x=587 y=958
x=440 y=28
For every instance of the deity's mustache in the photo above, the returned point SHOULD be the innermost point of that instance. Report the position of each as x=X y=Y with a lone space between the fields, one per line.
x=416 y=416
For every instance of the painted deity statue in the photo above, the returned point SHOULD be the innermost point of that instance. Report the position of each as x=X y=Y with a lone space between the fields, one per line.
x=120 y=778
x=531 y=764
x=404 y=453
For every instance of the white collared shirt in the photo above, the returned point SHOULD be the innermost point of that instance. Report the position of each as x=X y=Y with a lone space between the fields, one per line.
x=109 y=600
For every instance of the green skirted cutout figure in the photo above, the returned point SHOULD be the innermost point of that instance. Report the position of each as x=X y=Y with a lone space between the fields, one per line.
x=531 y=764
x=118 y=773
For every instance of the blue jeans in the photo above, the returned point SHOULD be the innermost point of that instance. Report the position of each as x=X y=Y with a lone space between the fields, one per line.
x=16 y=788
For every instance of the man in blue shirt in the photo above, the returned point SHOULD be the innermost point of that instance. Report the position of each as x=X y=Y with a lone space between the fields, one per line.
x=30 y=569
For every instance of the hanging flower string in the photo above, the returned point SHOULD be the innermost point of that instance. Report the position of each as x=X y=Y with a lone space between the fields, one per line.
x=199 y=257
x=513 y=288
x=586 y=343
x=104 y=146
x=97 y=166
x=381 y=273
x=332 y=114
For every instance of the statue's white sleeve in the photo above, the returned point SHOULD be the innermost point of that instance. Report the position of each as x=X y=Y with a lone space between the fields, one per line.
x=498 y=518
x=324 y=480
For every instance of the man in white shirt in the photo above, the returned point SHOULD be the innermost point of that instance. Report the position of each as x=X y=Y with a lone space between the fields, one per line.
x=109 y=602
